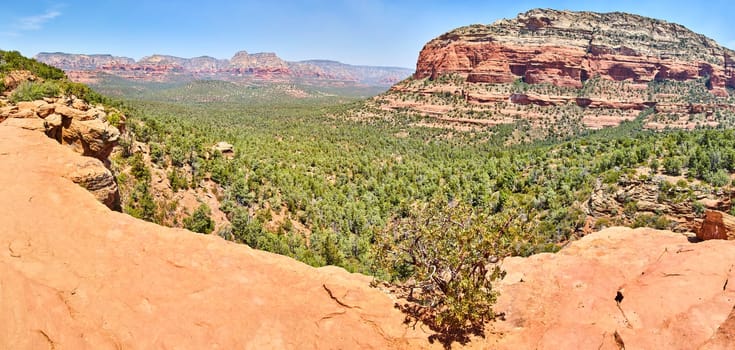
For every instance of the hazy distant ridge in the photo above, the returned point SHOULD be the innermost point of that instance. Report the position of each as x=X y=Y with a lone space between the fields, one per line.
x=264 y=66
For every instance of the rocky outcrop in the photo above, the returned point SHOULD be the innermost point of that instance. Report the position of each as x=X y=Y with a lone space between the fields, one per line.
x=243 y=66
x=262 y=60
x=619 y=288
x=567 y=48
x=225 y=148
x=12 y=79
x=76 y=275
x=630 y=198
x=717 y=225
x=97 y=179
x=81 y=127
x=71 y=121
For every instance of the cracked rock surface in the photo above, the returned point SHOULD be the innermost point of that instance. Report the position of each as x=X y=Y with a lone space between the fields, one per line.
x=76 y=275
x=644 y=288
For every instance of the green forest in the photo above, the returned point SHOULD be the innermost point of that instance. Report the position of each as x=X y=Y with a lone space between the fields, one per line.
x=400 y=202
x=347 y=181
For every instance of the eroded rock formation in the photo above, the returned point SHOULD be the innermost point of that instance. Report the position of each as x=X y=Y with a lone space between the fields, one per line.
x=83 y=128
x=717 y=225
x=567 y=48
x=563 y=71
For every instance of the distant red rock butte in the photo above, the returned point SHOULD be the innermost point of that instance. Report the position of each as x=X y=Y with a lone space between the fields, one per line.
x=567 y=48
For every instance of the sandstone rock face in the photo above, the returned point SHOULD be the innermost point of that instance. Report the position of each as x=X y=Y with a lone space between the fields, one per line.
x=16 y=77
x=717 y=225
x=567 y=48
x=82 y=128
x=561 y=72
x=262 y=60
x=75 y=275
x=93 y=138
x=70 y=121
x=620 y=288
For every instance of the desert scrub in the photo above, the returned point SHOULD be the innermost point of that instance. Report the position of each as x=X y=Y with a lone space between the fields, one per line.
x=443 y=255
x=30 y=91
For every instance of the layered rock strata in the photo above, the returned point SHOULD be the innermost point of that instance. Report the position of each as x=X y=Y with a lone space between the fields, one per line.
x=567 y=48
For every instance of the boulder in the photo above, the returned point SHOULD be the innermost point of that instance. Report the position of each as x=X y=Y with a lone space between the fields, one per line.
x=79 y=104
x=53 y=124
x=45 y=109
x=71 y=112
x=93 y=138
x=717 y=225
x=224 y=147
x=92 y=174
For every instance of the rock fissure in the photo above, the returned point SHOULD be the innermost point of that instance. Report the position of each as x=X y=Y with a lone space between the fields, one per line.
x=51 y=343
x=619 y=340
x=329 y=292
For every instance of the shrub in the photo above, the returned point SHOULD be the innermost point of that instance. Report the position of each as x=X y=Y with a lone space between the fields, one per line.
x=720 y=178
x=611 y=177
x=654 y=165
x=177 y=180
x=698 y=208
x=29 y=91
x=200 y=221
x=672 y=166
x=114 y=119
x=650 y=220
x=83 y=92
x=13 y=60
x=139 y=169
x=142 y=204
x=442 y=253
x=601 y=223
x=630 y=208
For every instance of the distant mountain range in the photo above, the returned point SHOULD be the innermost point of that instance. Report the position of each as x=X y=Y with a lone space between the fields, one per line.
x=243 y=66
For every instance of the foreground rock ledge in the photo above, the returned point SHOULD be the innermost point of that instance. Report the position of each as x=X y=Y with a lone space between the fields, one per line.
x=75 y=275
x=673 y=294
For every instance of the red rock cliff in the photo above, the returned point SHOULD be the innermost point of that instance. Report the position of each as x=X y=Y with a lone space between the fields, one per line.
x=567 y=48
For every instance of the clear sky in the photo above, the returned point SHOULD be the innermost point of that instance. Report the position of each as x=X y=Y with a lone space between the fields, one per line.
x=372 y=32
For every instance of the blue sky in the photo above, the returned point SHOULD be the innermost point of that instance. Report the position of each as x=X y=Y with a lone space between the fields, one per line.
x=374 y=32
